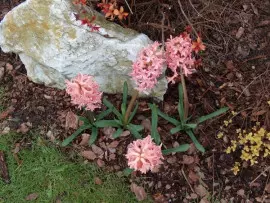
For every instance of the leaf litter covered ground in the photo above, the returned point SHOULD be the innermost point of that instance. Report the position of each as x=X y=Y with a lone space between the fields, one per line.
x=235 y=73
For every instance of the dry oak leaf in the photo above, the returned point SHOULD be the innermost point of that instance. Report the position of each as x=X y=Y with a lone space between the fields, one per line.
x=113 y=144
x=23 y=128
x=71 y=120
x=85 y=139
x=200 y=190
x=138 y=191
x=6 y=113
x=97 y=150
x=88 y=154
x=188 y=160
x=267 y=188
x=193 y=176
x=100 y=163
x=32 y=196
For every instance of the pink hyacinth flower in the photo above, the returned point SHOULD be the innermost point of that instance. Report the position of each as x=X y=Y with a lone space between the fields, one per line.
x=84 y=92
x=147 y=68
x=179 y=55
x=144 y=155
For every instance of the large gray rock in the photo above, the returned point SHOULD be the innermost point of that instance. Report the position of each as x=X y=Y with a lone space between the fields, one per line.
x=54 y=46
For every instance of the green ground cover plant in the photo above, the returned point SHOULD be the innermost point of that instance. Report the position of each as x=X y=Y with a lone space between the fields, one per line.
x=47 y=172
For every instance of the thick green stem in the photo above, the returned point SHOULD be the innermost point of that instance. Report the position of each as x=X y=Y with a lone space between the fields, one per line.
x=186 y=103
x=130 y=106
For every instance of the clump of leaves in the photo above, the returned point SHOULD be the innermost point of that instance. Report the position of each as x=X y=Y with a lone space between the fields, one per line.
x=91 y=122
x=183 y=123
x=124 y=117
x=254 y=144
x=111 y=10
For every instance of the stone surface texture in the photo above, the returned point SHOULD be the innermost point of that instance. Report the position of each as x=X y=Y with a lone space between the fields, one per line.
x=54 y=46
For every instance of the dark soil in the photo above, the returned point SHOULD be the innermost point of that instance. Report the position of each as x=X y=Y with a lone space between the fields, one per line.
x=235 y=73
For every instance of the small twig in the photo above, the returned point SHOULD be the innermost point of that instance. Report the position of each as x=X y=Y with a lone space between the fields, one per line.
x=252 y=82
x=265 y=187
x=254 y=58
x=162 y=33
x=155 y=25
x=129 y=7
x=184 y=14
x=259 y=175
x=213 y=172
x=186 y=179
x=199 y=14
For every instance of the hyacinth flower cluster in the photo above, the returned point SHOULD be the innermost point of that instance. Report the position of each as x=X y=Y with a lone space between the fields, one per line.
x=144 y=155
x=148 y=67
x=179 y=56
x=84 y=92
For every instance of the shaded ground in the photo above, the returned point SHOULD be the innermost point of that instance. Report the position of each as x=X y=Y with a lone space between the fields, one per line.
x=235 y=73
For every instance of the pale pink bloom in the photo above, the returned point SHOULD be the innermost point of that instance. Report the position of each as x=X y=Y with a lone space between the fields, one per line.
x=144 y=155
x=148 y=67
x=84 y=92
x=179 y=55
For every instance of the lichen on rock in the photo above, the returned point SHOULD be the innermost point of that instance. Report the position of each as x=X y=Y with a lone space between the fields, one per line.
x=54 y=46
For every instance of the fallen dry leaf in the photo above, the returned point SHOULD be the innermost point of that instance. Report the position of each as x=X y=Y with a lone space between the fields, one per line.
x=32 y=196
x=267 y=188
x=258 y=113
x=100 y=163
x=138 y=191
x=146 y=123
x=85 y=139
x=241 y=192
x=192 y=149
x=88 y=154
x=50 y=135
x=240 y=32
x=2 y=72
x=71 y=120
x=159 y=198
x=200 y=190
x=204 y=200
x=125 y=133
x=23 y=128
x=112 y=157
x=114 y=144
x=229 y=65
x=193 y=176
x=9 y=67
x=108 y=131
x=188 y=159
x=97 y=150
x=6 y=113
x=98 y=181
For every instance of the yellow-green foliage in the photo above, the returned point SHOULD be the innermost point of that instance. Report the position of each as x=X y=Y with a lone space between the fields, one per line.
x=255 y=143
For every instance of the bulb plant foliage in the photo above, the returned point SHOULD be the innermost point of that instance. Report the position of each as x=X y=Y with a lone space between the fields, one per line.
x=123 y=118
x=183 y=123
x=84 y=92
x=143 y=154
